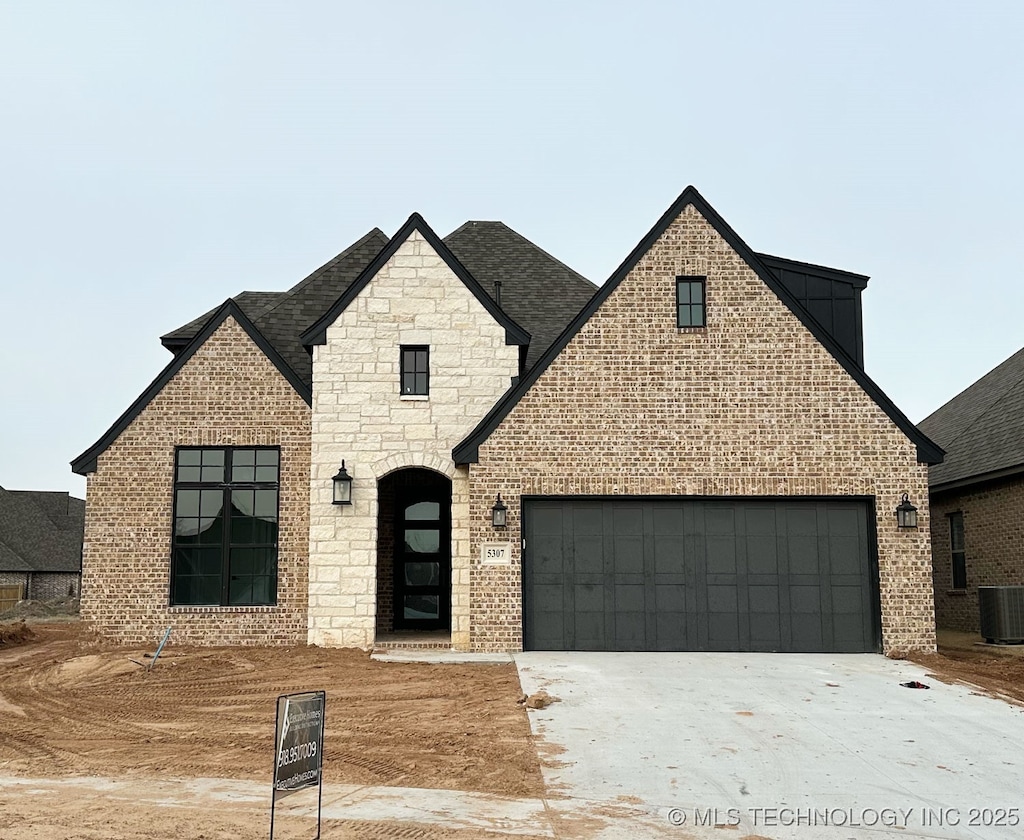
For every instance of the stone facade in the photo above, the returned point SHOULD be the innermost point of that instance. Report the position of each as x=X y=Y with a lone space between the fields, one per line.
x=993 y=546
x=751 y=405
x=227 y=394
x=359 y=415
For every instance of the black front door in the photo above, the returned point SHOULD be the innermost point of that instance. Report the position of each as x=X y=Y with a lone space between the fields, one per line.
x=423 y=537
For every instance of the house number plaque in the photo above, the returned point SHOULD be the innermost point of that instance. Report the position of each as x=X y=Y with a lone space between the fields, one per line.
x=496 y=554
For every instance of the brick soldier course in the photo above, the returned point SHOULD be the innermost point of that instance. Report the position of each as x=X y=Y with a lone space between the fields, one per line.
x=607 y=398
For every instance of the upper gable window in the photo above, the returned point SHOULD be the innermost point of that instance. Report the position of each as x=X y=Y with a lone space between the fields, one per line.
x=415 y=371
x=690 y=310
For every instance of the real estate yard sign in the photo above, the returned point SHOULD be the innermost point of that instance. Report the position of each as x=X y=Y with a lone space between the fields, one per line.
x=299 y=741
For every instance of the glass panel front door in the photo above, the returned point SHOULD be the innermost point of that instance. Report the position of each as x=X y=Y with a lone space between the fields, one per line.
x=423 y=556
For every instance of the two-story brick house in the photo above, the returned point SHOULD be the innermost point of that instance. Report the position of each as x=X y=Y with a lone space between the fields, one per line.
x=690 y=457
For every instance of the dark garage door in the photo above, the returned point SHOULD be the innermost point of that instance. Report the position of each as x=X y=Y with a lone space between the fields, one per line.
x=715 y=575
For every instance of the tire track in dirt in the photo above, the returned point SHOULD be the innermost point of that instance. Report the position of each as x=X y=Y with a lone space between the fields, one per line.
x=87 y=709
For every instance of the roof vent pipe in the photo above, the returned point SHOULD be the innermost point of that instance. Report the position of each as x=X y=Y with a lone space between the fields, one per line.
x=497 y=292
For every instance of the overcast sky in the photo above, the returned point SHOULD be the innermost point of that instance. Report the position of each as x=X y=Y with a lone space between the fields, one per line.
x=159 y=158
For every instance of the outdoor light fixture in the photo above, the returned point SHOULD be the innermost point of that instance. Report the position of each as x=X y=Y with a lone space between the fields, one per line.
x=342 y=487
x=906 y=513
x=499 y=513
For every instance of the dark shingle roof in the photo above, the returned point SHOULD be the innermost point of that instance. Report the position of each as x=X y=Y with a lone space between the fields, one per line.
x=283 y=321
x=537 y=291
x=251 y=303
x=40 y=531
x=282 y=316
x=982 y=428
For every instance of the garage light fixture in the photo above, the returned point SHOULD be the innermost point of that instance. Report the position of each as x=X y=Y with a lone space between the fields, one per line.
x=906 y=513
x=342 y=487
x=499 y=513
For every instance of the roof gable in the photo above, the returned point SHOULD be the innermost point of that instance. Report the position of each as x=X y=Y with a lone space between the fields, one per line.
x=281 y=316
x=317 y=333
x=86 y=462
x=982 y=428
x=468 y=450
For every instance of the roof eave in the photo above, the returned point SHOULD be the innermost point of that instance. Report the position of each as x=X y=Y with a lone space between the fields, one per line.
x=979 y=478
x=467 y=451
x=86 y=462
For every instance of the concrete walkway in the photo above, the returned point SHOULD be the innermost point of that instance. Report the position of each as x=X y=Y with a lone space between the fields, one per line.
x=808 y=747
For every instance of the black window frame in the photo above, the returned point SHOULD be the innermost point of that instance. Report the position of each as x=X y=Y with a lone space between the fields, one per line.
x=414 y=382
x=689 y=306
x=958 y=554
x=227 y=544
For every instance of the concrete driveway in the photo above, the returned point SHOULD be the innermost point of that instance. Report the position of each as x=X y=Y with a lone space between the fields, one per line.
x=809 y=747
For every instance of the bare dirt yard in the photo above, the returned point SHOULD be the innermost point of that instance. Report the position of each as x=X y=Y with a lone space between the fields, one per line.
x=95 y=746
x=996 y=669
x=74 y=707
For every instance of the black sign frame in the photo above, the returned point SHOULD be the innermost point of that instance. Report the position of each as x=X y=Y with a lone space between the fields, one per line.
x=299 y=748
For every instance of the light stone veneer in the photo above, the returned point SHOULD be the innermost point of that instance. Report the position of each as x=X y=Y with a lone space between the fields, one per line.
x=360 y=416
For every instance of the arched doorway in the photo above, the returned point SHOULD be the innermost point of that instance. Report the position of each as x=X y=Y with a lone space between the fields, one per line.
x=414 y=557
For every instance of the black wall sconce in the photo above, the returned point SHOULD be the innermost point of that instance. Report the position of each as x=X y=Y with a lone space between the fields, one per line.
x=906 y=513
x=499 y=513
x=342 y=487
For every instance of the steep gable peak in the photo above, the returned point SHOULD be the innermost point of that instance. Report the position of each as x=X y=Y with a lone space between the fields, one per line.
x=468 y=450
x=415 y=224
x=86 y=462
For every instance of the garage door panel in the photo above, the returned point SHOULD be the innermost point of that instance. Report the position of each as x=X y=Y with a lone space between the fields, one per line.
x=845 y=521
x=723 y=631
x=763 y=599
x=845 y=555
x=721 y=554
x=806 y=633
x=804 y=555
x=669 y=554
x=694 y=574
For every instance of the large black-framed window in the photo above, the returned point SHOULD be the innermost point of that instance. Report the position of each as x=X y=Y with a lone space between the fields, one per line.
x=690 y=306
x=959 y=554
x=224 y=542
x=415 y=370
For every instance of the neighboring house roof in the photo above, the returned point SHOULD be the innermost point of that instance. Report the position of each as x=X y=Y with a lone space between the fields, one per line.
x=86 y=462
x=317 y=332
x=537 y=290
x=40 y=531
x=981 y=428
x=468 y=450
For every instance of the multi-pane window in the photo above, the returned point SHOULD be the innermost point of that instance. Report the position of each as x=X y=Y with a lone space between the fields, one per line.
x=956 y=545
x=690 y=310
x=224 y=546
x=415 y=371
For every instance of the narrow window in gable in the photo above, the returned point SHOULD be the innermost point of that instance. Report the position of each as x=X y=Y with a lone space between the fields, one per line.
x=415 y=374
x=690 y=308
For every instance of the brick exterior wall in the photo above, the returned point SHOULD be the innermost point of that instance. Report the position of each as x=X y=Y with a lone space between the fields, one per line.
x=360 y=416
x=227 y=394
x=752 y=405
x=993 y=547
